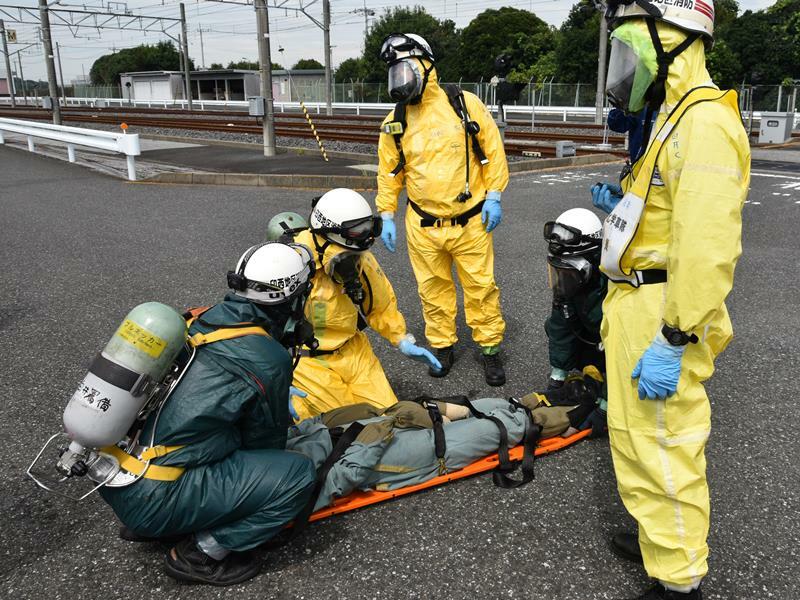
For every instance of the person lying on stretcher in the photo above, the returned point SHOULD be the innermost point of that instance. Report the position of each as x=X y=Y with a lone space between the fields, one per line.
x=414 y=441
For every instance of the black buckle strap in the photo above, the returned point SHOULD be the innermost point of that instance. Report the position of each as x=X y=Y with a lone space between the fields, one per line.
x=439 y=443
x=649 y=276
x=429 y=220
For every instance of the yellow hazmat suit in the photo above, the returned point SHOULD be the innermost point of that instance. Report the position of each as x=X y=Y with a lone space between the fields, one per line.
x=691 y=226
x=346 y=371
x=434 y=174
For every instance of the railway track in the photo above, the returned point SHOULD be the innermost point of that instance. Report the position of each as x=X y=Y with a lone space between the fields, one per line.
x=517 y=141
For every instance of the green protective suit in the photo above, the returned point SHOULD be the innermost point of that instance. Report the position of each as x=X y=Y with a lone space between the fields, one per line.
x=572 y=341
x=230 y=412
x=404 y=457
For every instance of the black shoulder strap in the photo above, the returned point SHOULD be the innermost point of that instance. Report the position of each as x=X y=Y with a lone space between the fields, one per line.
x=397 y=128
x=456 y=97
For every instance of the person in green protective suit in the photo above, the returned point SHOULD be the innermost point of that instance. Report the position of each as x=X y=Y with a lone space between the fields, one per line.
x=579 y=288
x=221 y=480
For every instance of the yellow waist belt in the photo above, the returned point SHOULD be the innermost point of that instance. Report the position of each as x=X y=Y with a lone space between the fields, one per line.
x=139 y=466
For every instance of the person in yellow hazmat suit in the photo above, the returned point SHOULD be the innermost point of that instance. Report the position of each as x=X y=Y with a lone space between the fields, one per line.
x=349 y=293
x=442 y=145
x=670 y=246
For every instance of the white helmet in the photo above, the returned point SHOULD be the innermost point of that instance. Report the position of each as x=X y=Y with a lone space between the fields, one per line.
x=696 y=15
x=576 y=231
x=272 y=273
x=344 y=217
x=397 y=46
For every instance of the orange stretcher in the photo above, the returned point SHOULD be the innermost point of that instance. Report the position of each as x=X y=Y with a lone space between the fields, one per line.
x=359 y=499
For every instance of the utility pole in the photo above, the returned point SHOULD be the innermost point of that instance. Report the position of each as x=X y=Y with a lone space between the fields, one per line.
x=180 y=56
x=9 y=74
x=60 y=71
x=202 y=49
x=22 y=78
x=265 y=64
x=186 y=65
x=44 y=18
x=326 y=29
x=601 y=65
x=368 y=12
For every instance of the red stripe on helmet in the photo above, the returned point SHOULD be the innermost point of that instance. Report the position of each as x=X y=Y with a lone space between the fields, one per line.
x=704 y=8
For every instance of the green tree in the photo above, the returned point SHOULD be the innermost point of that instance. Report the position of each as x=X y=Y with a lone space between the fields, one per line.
x=441 y=35
x=251 y=65
x=519 y=33
x=159 y=57
x=352 y=68
x=216 y=66
x=723 y=65
x=308 y=63
x=576 y=50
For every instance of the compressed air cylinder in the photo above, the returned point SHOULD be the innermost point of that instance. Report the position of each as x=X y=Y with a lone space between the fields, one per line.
x=111 y=394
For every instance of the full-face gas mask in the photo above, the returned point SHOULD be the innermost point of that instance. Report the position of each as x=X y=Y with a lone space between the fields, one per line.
x=345 y=269
x=573 y=257
x=408 y=72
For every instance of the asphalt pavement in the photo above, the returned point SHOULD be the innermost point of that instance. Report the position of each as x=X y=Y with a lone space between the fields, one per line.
x=79 y=249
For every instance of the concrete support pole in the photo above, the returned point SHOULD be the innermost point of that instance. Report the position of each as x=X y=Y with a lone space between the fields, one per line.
x=44 y=18
x=265 y=64
x=61 y=72
x=22 y=78
x=601 y=70
x=186 y=65
x=326 y=30
x=9 y=74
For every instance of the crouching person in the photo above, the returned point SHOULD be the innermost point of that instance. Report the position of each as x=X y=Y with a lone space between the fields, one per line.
x=220 y=479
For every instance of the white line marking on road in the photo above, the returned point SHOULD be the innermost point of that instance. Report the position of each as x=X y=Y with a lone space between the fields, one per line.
x=775 y=175
x=756 y=202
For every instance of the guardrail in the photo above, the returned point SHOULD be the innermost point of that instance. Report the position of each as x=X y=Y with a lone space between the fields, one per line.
x=127 y=144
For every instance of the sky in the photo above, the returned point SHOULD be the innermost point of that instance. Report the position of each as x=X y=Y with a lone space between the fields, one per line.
x=228 y=31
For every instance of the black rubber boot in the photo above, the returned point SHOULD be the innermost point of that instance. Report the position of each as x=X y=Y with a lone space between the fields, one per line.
x=129 y=535
x=659 y=592
x=554 y=384
x=626 y=545
x=446 y=357
x=493 y=369
x=187 y=563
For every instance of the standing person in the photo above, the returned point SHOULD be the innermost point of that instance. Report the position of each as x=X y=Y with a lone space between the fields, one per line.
x=444 y=147
x=670 y=246
x=218 y=477
x=349 y=293
x=633 y=125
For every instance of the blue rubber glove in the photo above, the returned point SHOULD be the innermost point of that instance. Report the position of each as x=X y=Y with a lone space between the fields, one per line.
x=659 y=369
x=492 y=214
x=293 y=391
x=414 y=352
x=605 y=196
x=389 y=233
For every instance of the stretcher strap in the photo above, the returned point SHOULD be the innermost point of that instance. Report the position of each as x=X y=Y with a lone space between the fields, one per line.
x=506 y=466
x=439 y=443
x=531 y=438
x=301 y=520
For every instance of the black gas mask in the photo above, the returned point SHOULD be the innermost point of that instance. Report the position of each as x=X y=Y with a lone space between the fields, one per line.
x=346 y=270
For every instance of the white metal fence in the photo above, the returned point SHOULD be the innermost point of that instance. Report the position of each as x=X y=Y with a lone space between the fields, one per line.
x=519 y=111
x=127 y=144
